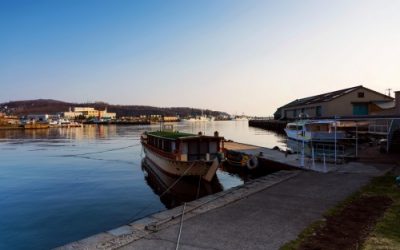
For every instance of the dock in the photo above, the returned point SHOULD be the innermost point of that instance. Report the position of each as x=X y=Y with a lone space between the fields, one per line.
x=276 y=159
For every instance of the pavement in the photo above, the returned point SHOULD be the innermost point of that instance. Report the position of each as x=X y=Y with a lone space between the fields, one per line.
x=264 y=214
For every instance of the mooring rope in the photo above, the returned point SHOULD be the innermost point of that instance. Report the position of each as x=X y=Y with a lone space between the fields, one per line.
x=166 y=191
x=198 y=188
x=103 y=151
x=180 y=227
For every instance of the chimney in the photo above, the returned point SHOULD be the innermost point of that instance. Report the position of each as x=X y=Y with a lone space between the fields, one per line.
x=397 y=102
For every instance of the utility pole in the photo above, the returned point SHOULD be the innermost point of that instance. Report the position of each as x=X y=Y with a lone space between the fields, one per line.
x=388 y=90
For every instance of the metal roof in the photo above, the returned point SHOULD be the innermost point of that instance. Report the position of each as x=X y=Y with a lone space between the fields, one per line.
x=321 y=98
x=385 y=105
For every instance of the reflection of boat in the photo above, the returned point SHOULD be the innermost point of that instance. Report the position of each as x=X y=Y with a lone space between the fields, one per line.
x=184 y=190
x=318 y=130
x=246 y=174
x=183 y=154
x=201 y=118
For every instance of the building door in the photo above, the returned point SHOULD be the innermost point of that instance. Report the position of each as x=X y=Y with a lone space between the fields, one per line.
x=360 y=109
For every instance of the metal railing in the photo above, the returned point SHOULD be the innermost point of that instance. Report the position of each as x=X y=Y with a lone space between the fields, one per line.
x=326 y=153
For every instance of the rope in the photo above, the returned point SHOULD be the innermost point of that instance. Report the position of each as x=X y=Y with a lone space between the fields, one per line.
x=169 y=188
x=104 y=151
x=180 y=227
x=198 y=188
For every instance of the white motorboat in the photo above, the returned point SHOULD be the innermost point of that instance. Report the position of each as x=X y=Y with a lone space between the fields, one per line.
x=314 y=130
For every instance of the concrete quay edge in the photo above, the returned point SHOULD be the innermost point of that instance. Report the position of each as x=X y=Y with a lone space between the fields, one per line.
x=123 y=235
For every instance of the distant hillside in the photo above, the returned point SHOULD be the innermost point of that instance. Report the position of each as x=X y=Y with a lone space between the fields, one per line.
x=49 y=106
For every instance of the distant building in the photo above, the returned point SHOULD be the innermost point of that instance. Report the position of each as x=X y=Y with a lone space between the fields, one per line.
x=8 y=119
x=171 y=118
x=41 y=118
x=353 y=101
x=38 y=117
x=88 y=112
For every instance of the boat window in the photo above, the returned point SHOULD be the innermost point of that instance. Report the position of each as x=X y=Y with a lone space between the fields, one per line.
x=193 y=148
x=318 y=127
x=213 y=147
x=203 y=148
x=167 y=146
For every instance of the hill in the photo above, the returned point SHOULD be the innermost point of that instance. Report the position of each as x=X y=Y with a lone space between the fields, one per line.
x=42 y=106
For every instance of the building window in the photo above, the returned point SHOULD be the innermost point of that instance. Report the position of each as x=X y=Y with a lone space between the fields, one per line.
x=361 y=94
x=318 y=111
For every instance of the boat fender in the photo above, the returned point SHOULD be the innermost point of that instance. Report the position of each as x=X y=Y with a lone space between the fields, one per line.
x=252 y=163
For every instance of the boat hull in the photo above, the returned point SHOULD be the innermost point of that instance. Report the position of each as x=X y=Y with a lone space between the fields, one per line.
x=174 y=193
x=181 y=168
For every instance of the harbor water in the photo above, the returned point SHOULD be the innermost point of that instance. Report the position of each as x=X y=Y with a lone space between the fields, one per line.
x=61 y=185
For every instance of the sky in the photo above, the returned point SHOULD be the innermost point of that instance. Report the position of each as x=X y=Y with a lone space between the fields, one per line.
x=236 y=56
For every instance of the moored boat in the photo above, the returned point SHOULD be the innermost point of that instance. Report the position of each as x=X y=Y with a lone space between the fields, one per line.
x=314 y=130
x=183 y=154
x=172 y=192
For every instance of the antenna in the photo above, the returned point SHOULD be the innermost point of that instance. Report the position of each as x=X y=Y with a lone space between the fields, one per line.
x=388 y=90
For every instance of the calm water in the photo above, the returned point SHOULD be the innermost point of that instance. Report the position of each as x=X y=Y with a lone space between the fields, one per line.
x=61 y=185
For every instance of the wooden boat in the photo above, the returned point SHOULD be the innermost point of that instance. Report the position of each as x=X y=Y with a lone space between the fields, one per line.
x=172 y=192
x=314 y=130
x=183 y=154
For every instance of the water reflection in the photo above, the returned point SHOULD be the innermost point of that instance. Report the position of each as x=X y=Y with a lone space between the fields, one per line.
x=244 y=173
x=73 y=176
x=173 y=192
x=83 y=133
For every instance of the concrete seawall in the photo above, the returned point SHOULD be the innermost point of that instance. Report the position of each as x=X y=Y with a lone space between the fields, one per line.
x=262 y=214
x=126 y=234
x=273 y=125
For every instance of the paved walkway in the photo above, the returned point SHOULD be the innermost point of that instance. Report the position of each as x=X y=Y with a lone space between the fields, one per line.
x=262 y=214
x=265 y=220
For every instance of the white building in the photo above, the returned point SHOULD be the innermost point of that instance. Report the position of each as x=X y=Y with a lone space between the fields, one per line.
x=89 y=112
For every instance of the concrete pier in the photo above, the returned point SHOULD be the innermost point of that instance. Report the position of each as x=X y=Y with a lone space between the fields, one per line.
x=278 y=160
x=272 y=125
x=262 y=214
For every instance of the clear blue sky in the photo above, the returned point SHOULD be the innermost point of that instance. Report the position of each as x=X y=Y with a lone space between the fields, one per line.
x=236 y=56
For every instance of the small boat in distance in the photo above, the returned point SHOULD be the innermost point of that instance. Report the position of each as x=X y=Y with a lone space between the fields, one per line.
x=183 y=154
x=314 y=130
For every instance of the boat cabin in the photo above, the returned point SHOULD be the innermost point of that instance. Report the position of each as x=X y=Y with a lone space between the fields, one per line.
x=184 y=146
x=312 y=126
